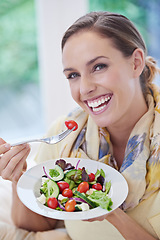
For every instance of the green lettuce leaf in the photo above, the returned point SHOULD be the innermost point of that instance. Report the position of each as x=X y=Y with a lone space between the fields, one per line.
x=101 y=199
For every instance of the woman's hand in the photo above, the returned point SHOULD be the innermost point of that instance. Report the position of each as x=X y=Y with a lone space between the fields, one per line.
x=12 y=165
x=101 y=218
x=109 y=215
x=13 y=160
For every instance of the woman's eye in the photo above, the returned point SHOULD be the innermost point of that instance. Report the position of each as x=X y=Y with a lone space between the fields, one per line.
x=98 y=67
x=72 y=75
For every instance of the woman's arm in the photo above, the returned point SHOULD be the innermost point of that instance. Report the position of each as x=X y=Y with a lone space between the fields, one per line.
x=28 y=220
x=129 y=228
x=12 y=165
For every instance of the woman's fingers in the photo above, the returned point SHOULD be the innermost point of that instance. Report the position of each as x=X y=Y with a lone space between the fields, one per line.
x=4 y=147
x=95 y=219
x=2 y=141
x=25 y=163
x=11 y=159
x=101 y=218
x=10 y=154
x=20 y=168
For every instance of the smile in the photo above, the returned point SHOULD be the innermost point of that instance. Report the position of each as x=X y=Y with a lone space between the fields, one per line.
x=100 y=103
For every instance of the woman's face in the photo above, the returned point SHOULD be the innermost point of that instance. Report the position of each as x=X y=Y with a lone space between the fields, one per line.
x=101 y=79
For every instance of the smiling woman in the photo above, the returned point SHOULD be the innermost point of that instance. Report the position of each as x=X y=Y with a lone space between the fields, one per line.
x=102 y=79
x=114 y=65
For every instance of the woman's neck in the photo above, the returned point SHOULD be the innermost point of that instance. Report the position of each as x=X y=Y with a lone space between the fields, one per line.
x=120 y=133
x=119 y=141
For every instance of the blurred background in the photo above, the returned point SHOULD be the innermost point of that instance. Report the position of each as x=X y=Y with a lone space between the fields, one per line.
x=33 y=90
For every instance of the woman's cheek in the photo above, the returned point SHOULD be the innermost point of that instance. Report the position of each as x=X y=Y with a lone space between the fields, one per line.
x=74 y=92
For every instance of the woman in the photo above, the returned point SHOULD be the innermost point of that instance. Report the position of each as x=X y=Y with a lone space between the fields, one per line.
x=110 y=77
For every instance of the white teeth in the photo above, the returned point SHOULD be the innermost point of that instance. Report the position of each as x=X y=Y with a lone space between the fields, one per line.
x=103 y=100
x=98 y=109
x=99 y=102
x=95 y=104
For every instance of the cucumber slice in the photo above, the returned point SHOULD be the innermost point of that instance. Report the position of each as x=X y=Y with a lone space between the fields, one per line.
x=70 y=173
x=57 y=173
x=50 y=189
x=81 y=195
x=54 y=187
x=77 y=208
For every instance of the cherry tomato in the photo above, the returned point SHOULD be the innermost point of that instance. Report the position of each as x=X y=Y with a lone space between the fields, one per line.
x=91 y=177
x=70 y=205
x=62 y=185
x=71 y=124
x=52 y=202
x=67 y=192
x=97 y=186
x=83 y=187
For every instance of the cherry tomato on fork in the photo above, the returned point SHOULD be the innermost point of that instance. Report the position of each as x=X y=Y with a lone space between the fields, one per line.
x=52 y=202
x=70 y=205
x=71 y=124
x=83 y=187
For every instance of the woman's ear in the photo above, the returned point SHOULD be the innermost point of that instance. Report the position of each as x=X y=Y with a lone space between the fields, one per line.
x=138 y=62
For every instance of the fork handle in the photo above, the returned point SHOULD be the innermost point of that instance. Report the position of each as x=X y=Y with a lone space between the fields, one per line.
x=27 y=141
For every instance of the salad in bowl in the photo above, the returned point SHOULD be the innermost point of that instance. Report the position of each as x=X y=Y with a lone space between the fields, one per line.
x=72 y=189
x=69 y=188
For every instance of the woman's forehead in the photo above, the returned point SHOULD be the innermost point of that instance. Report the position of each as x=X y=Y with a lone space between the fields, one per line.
x=87 y=43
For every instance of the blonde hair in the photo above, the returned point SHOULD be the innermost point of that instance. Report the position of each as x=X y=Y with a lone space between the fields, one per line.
x=124 y=34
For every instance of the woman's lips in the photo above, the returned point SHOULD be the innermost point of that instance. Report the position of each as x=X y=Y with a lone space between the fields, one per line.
x=97 y=105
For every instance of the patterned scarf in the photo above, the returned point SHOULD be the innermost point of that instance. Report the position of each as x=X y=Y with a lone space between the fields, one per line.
x=141 y=164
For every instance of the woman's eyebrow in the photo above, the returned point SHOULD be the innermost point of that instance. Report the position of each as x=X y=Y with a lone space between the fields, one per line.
x=68 y=69
x=87 y=64
x=94 y=59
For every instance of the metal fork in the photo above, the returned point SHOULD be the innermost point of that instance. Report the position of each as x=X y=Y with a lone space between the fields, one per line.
x=48 y=140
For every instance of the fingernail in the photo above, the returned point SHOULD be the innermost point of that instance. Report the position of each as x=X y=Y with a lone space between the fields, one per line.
x=7 y=145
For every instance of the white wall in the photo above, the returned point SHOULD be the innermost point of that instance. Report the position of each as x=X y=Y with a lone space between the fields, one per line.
x=54 y=17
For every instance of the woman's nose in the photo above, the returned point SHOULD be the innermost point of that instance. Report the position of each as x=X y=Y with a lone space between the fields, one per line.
x=86 y=85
